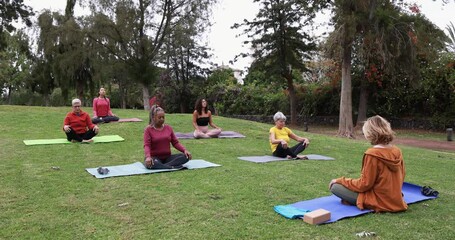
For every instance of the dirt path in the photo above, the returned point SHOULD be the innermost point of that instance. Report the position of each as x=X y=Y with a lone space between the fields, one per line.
x=429 y=144
x=415 y=142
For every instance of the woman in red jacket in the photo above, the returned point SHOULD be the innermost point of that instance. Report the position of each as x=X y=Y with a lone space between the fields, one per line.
x=77 y=124
x=102 y=109
x=382 y=176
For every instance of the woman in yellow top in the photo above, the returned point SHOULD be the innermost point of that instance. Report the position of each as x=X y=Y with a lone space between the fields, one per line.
x=280 y=137
x=379 y=186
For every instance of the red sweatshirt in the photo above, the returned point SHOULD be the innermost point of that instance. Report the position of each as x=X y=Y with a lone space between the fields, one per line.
x=157 y=142
x=79 y=123
x=102 y=107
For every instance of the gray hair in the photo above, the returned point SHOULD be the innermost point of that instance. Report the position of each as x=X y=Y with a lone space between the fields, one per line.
x=279 y=116
x=76 y=100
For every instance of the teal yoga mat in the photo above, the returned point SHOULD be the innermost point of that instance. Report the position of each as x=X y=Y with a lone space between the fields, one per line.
x=98 y=139
x=138 y=168
x=270 y=158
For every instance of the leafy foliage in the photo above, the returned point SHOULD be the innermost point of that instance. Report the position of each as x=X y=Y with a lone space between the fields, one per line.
x=11 y=11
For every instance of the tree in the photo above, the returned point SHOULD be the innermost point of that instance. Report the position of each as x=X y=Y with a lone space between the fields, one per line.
x=15 y=63
x=64 y=53
x=185 y=54
x=12 y=10
x=380 y=38
x=134 y=32
x=279 y=40
x=451 y=41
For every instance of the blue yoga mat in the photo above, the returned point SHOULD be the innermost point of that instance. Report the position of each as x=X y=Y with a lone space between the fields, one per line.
x=138 y=168
x=270 y=158
x=339 y=211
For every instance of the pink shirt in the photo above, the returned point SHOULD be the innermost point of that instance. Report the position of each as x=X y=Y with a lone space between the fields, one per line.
x=101 y=107
x=157 y=142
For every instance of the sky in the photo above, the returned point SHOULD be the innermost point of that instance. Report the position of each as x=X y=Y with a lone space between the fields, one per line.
x=226 y=43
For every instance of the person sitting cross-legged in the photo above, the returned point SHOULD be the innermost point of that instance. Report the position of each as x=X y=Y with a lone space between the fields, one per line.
x=280 y=136
x=78 y=126
x=102 y=112
x=157 y=140
x=379 y=186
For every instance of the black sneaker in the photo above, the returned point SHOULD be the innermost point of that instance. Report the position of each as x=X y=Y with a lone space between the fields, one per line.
x=428 y=191
x=103 y=171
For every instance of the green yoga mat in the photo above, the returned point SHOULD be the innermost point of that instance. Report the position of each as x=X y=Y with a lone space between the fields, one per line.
x=100 y=139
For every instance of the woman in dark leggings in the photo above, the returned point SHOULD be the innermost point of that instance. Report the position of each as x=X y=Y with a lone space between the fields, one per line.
x=280 y=137
x=157 y=140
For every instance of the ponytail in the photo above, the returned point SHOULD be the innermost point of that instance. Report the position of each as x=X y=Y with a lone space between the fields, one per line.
x=153 y=110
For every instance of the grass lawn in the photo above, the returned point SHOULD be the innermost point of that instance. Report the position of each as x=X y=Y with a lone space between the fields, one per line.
x=234 y=201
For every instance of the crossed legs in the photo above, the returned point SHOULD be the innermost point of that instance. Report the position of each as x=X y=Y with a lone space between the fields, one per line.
x=174 y=161
x=345 y=194
x=293 y=151
x=73 y=136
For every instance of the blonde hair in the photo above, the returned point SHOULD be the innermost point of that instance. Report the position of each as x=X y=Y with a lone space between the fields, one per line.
x=153 y=110
x=279 y=116
x=377 y=130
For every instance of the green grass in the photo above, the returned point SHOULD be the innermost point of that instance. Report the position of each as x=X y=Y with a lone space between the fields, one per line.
x=234 y=201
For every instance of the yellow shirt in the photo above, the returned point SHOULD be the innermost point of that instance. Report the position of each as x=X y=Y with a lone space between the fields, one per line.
x=280 y=134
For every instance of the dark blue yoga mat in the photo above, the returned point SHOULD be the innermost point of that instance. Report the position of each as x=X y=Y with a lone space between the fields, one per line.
x=339 y=211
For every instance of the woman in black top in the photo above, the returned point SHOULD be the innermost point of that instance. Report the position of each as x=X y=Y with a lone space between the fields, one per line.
x=202 y=117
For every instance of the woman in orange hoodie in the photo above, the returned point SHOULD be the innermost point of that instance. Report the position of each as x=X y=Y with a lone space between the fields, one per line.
x=382 y=176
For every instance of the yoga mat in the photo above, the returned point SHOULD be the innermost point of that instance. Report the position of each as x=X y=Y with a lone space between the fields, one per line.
x=138 y=168
x=129 y=120
x=223 y=134
x=270 y=158
x=98 y=139
x=338 y=210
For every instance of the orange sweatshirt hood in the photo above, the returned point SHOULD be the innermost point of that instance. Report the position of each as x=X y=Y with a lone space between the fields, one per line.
x=389 y=156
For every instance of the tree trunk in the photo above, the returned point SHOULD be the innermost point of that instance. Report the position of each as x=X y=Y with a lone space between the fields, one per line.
x=363 y=103
x=123 y=94
x=345 y=126
x=145 y=96
x=10 y=90
x=292 y=101
x=80 y=91
x=46 y=99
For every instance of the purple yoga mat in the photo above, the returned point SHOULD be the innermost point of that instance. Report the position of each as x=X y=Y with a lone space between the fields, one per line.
x=223 y=134
x=129 y=120
x=339 y=211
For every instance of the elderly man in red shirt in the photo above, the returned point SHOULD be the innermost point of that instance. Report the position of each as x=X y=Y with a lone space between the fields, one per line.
x=78 y=126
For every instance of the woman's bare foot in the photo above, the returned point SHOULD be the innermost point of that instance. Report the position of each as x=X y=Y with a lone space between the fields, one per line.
x=302 y=157
x=87 y=141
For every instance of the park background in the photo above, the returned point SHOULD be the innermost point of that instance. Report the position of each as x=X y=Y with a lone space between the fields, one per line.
x=401 y=63
x=46 y=192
